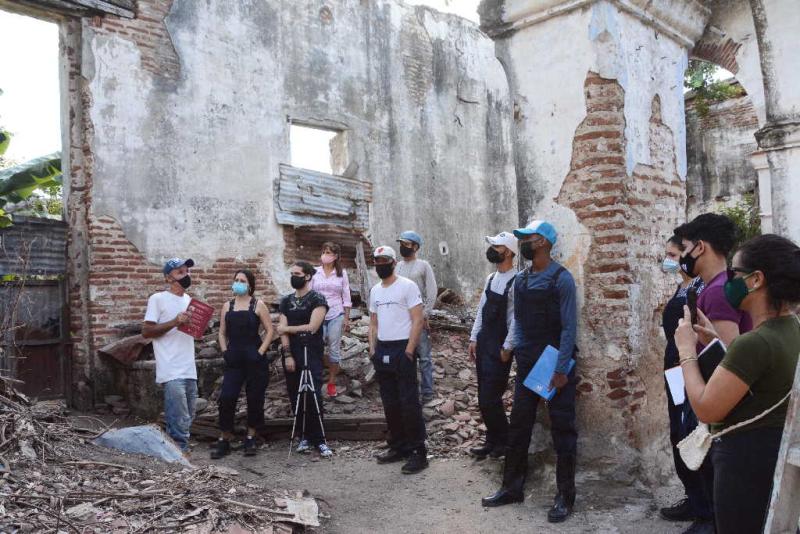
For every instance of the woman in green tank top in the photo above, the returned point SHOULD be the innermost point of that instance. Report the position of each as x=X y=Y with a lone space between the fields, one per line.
x=755 y=375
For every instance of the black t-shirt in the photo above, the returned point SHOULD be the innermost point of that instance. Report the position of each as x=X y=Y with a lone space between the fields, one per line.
x=298 y=311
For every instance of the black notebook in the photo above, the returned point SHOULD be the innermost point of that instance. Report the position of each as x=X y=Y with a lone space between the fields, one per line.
x=709 y=358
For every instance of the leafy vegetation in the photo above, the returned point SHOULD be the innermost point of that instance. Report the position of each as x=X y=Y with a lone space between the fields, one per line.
x=700 y=78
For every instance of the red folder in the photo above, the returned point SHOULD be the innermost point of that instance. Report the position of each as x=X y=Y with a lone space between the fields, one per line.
x=201 y=313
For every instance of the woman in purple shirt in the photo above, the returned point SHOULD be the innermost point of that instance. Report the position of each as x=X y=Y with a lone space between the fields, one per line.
x=331 y=281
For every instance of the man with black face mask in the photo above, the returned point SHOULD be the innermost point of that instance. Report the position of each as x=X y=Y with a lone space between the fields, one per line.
x=490 y=343
x=707 y=241
x=174 y=350
x=395 y=323
x=421 y=273
x=545 y=313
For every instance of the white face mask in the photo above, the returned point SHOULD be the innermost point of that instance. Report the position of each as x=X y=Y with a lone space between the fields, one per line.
x=670 y=266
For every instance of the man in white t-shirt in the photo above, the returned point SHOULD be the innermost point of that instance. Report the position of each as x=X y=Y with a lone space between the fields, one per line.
x=174 y=350
x=396 y=318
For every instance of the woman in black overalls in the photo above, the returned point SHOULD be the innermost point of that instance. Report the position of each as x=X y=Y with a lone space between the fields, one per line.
x=244 y=352
x=682 y=421
x=300 y=328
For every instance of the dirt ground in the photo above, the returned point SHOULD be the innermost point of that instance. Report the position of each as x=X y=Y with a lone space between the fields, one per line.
x=357 y=495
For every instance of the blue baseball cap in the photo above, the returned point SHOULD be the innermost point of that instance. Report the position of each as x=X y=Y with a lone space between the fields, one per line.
x=408 y=235
x=174 y=263
x=543 y=228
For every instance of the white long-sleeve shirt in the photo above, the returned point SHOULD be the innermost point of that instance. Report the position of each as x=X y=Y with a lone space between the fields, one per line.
x=499 y=283
x=421 y=273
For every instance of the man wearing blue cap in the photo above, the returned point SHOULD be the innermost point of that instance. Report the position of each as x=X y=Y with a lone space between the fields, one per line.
x=174 y=350
x=544 y=314
x=421 y=273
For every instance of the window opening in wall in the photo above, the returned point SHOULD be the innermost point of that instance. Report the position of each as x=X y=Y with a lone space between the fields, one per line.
x=30 y=117
x=318 y=149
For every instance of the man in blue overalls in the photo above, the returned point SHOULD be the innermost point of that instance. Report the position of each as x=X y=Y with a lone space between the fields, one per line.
x=489 y=338
x=544 y=314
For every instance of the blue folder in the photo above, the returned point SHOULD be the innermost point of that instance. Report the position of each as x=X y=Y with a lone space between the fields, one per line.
x=538 y=380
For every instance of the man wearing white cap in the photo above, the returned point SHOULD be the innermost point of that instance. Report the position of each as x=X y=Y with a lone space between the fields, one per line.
x=490 y=343
x=544 y=314
x=395 y=323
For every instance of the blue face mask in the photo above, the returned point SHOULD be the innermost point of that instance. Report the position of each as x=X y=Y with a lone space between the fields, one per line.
x=670 y=266
x=239 y=288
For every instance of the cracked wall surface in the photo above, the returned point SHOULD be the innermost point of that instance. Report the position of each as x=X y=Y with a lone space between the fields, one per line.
x=186 y=112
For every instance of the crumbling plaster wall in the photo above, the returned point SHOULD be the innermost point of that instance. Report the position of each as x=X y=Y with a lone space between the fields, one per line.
x=600 y=151
x=186 y=166
x=187 y=110
x=719 y=145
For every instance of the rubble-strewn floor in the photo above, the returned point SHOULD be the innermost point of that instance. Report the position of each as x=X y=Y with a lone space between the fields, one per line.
x=361 y=496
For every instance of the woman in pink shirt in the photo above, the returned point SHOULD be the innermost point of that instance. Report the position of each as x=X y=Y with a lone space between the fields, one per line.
x=331 y=281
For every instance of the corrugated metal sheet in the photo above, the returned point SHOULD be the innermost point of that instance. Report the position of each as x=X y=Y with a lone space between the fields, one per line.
x=122 y=8
x=33 y=245
x=309 y=198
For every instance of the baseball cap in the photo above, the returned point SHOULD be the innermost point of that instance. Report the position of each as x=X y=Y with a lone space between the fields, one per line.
x=503 y=238
x=174 y=263
x=408 y=235
x=385 y=251
x=543 y=228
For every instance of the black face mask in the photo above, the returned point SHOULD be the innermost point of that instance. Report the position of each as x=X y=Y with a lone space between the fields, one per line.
x=688 y=262
x=527 y=250
x=406 y=251
x=185 y=282
x=298 y=282
x=493 y=256
x=384 y=270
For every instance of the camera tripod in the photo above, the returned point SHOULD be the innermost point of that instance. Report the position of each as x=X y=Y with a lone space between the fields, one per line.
x=306 y=386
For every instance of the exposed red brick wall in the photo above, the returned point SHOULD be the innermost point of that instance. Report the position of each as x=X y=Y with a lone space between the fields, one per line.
x=628 y=218
x=736 y=112
x=121 y=279
x=149 y=33
x=720 y=52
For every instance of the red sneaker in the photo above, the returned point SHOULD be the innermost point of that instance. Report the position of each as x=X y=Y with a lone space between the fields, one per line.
x=331 y=390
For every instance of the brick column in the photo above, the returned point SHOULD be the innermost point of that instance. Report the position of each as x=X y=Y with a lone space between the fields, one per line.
x=600 y=152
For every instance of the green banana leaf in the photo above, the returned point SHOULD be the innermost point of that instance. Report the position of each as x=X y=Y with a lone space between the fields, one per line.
x=5 y=139
x=17 y=183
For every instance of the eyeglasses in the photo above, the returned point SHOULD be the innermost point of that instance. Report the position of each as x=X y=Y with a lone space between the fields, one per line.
x=733 y=270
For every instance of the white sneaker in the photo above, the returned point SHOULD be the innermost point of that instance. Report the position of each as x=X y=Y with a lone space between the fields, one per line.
x=303 y=446
x=325 y=451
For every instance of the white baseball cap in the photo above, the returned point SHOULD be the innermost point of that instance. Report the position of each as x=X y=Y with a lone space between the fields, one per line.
x=385 y=251
x=505 y=239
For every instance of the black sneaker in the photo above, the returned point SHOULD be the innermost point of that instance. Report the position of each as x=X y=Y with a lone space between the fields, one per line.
x=416 y=462
x=481 y=451
x=250 y=446
x=221 y=448
x=391 y=456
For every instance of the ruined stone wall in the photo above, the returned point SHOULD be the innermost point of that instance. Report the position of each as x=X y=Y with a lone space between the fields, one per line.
x=600 y=152
x=719 y=144
x=184 y=120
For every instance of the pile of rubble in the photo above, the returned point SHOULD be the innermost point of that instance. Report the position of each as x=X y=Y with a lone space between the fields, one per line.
x=53 y=479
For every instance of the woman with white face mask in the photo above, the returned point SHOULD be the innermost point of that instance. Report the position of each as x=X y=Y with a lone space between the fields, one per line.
x=695 y=504
x=246 y=363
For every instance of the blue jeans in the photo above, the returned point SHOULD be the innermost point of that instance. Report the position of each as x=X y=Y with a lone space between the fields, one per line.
x=425 y=364
x=180 y=396
x=332 y=334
